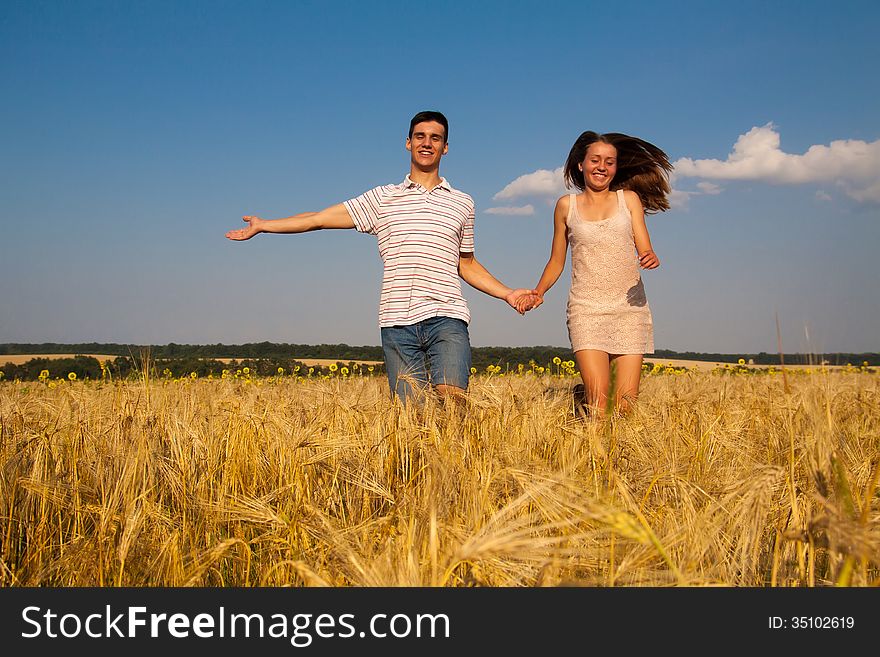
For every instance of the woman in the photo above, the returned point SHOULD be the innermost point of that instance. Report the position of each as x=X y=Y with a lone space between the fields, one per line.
x=620 y=178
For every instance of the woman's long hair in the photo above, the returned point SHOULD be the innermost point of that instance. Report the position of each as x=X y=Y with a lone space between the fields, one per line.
x=641 y=167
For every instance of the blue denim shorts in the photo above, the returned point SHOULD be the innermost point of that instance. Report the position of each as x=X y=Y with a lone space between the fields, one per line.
x=436 y=351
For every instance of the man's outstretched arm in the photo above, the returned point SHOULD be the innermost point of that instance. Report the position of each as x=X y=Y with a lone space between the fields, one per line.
x=477 y=276
x=336 y=216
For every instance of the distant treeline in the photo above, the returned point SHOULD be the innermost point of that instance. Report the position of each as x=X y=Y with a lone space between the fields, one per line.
x=266 y=357
x=763 y=358
x=172 y=350
x=123 y=367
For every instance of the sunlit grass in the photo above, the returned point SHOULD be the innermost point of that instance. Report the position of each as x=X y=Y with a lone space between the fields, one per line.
x=295 y=480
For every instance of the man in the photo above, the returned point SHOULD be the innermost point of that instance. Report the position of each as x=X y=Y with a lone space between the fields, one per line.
x=425 y=230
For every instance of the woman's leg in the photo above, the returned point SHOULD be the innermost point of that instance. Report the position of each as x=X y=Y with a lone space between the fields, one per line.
x=627 y=375
x=595 y=371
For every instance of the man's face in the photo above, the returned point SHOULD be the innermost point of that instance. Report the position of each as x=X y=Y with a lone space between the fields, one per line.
x=427 y=145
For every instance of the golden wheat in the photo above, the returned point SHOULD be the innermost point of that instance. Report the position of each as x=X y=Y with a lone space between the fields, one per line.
x=711 y=480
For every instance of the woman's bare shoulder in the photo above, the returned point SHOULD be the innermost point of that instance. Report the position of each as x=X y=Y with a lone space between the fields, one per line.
x=632 y=199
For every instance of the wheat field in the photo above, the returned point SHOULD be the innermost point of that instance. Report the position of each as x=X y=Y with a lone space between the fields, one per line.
x=710 y=480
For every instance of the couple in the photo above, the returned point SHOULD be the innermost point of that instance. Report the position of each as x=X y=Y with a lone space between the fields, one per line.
x=425 y=230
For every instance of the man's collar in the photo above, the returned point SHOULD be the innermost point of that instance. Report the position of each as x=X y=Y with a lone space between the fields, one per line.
x=409 y=183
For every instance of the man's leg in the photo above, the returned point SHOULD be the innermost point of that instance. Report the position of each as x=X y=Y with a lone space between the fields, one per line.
x=448 y=347
x=404 y=360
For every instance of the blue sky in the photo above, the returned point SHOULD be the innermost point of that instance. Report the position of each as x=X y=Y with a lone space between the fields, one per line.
x=136 y=134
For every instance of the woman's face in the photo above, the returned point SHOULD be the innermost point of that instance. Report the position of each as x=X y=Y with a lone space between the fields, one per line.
x=599 y=165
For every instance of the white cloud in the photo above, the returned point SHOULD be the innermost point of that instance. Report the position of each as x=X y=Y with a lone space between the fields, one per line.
x=538 y=183
x=548 y=185
x=709 y=188
x=524 y=210
x=678 y=199
x=851 y=163
x=870 y=193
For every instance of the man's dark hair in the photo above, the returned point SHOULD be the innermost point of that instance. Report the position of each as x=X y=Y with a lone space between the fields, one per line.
x=430 y=116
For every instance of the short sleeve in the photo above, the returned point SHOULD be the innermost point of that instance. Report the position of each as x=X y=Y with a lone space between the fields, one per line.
x=467 y=233
x=364 y=209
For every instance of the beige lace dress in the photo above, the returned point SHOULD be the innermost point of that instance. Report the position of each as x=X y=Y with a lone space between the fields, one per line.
x=607 y=306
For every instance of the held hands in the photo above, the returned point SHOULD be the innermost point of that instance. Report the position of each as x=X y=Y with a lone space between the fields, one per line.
x=529 y=302
x=246 y=233
x=649 y=260
x=522 y=300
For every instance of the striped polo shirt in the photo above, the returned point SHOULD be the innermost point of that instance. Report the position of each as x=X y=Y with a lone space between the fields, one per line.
x=420 y=234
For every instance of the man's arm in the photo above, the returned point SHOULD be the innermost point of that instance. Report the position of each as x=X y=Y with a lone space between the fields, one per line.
x=477 y=276
x=336 y=216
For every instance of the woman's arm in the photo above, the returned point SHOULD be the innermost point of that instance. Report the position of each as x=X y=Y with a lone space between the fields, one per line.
x=647 y=258
x=556 y=263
